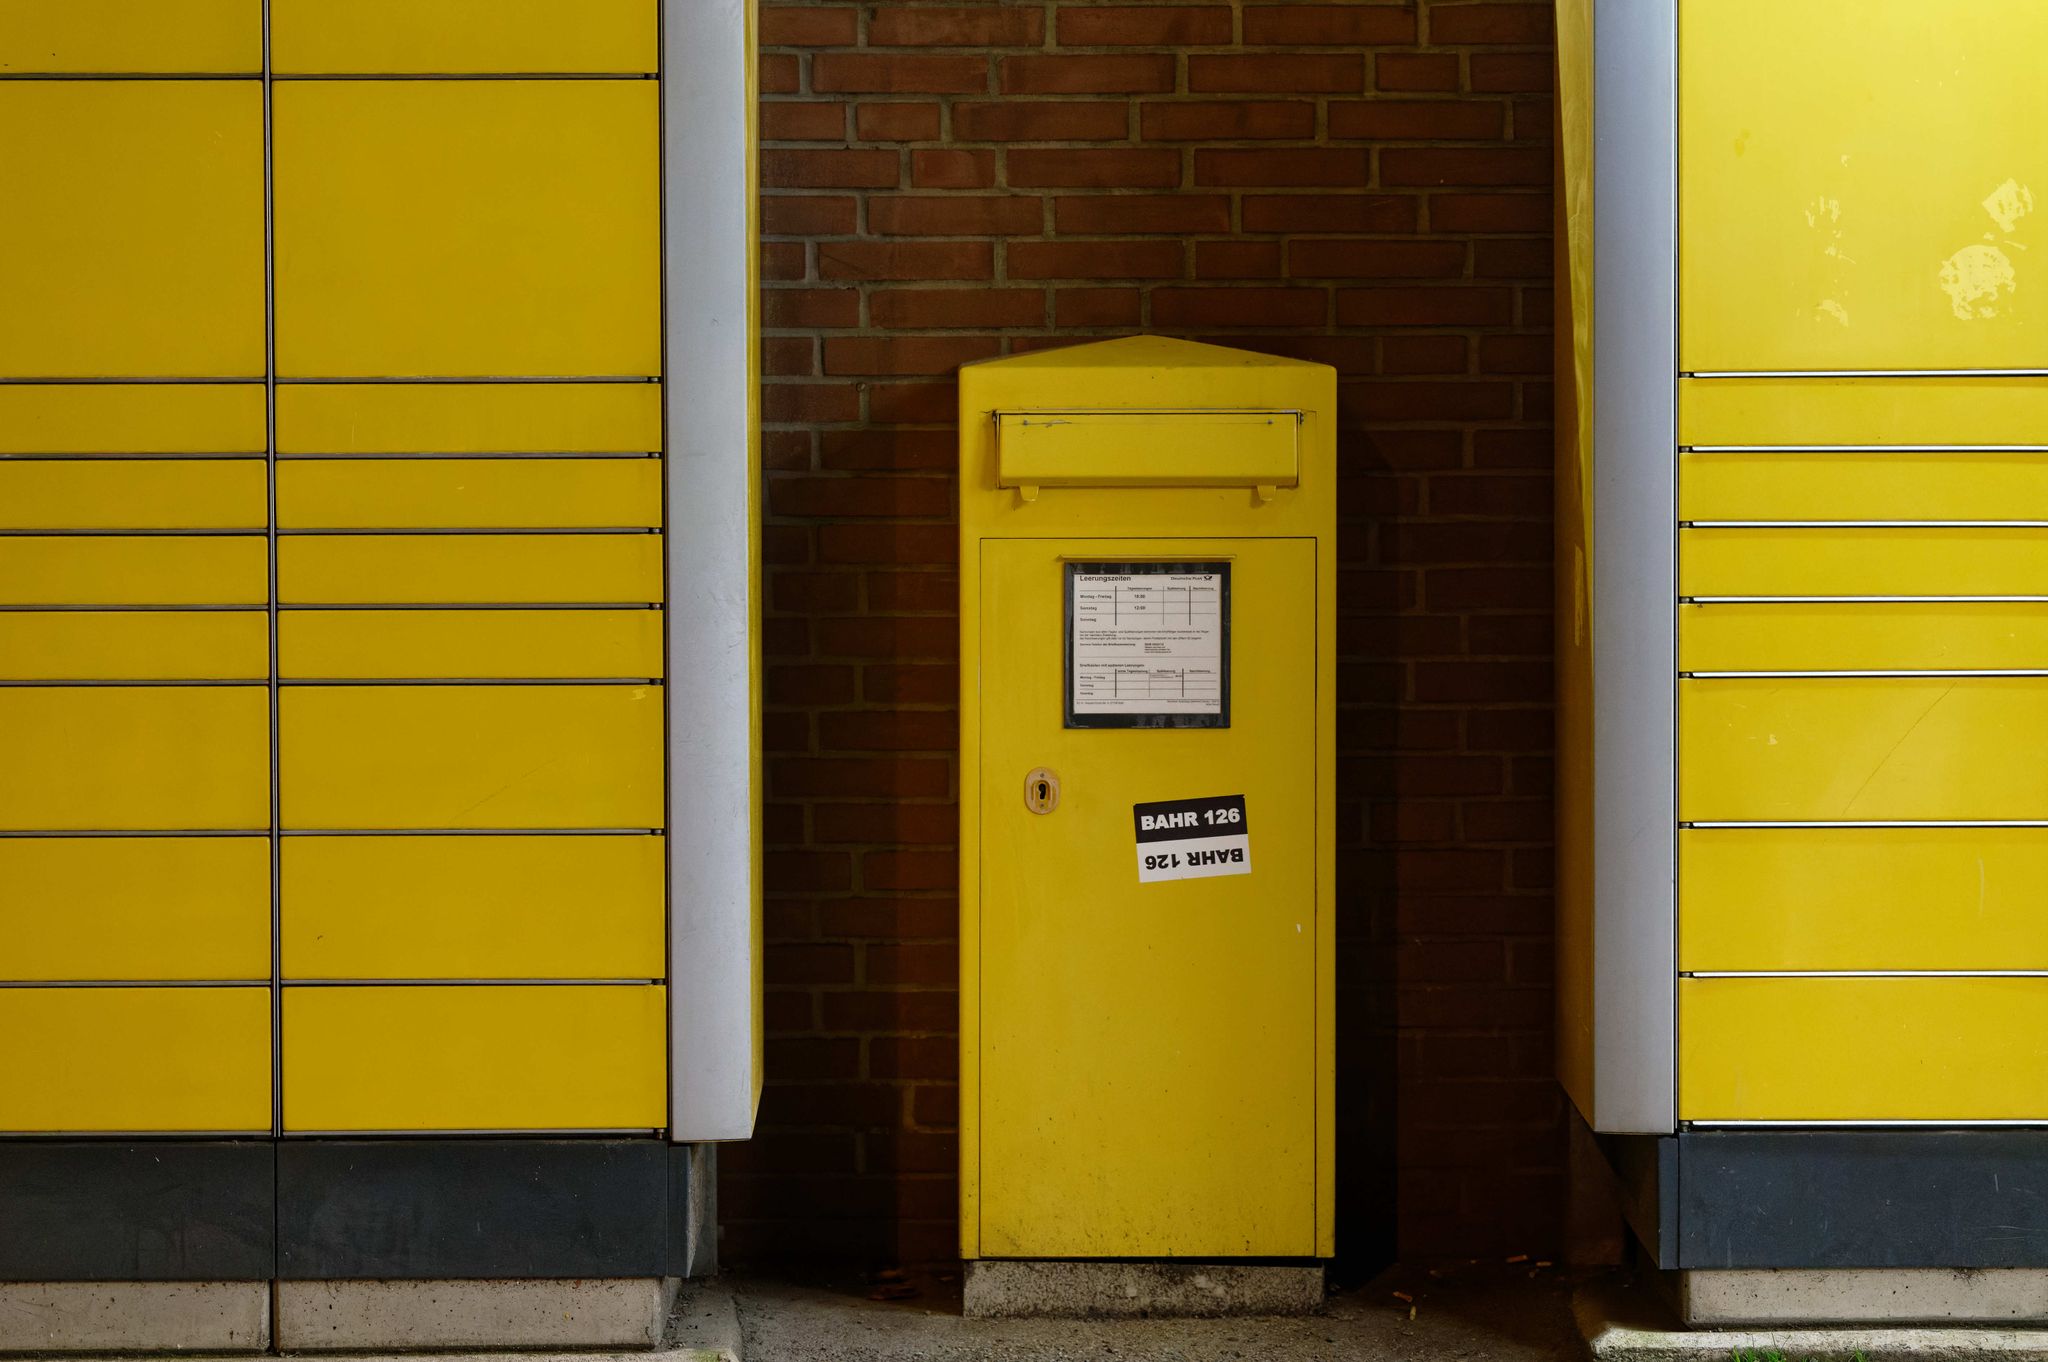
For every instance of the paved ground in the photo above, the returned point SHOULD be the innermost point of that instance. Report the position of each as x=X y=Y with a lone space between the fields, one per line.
x=1492 y=1314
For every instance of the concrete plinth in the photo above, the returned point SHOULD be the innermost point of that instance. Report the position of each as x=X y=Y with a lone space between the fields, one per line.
x=1000 y=1288
x=73 y=1317
x=1719 y=1298
x=359 y=1316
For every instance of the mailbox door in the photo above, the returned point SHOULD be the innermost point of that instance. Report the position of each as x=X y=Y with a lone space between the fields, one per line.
x=1147 y=1050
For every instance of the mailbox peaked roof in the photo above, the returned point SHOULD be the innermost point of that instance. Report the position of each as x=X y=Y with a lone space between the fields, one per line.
x=1146 y=352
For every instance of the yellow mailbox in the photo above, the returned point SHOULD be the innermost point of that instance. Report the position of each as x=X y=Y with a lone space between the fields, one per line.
x=1147 y=571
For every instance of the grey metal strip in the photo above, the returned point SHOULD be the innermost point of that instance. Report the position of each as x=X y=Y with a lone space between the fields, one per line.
x=1863 y=373
x=142 y=606
x=622 y=531
x=193 y=532
x=292 y=682
x=131 y=381
x=429 y=455
x=1907 y=672
x=1864 y=974
x=1860 y=600
x=1863 y=524
x=1869 y=823
x=291 y=983
x=456 y=380
x=271 y=569
x=330 y=832
x=499 y=77
x=1862 y=449
x=130 y=75
x=133 y=983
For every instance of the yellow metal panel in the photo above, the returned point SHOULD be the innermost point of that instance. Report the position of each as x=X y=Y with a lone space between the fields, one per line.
x=390 y=37
x=210 y=37
x=141 y=757
x=472 y=756
x=118 y=645
x=1876 y=486
x=132 y=244
x=145 y=570
x=1868 y=748
x=1862 y=413
x=468 y=228
x=337 y=644
x=466 y=569
x=1862 y=636
x=132 y=418
x=1857 y=184
x=474 y=908
x=157 y=1060
x=469 y=418
x=468 y=493
x=1099 y=1149
x=1127 y=449
x=1862 y=898
x=134 y=494
x=481 y=1057
x=1927 y=1049
x=1863 y=562
x=135 y=908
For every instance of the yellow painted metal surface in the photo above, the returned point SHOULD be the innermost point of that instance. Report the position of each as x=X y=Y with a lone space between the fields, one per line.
x=471 y=756
x=132 y=418
x=481 y=1057
x=156 y=1060
x=86 y=908
x=1863 y=1049
x=474 y=907
x=134 y=645
x=1862 y=413
x=469 y=418
x=80 y=37
x=469 y=569
x=1864 y=748
x=134 y=494
x=1857 y=188
x=1145 y=1068
x=1572 y=351
x=1154 y=449
x=467 y=228
x=468 y=493
x=337 y=644
x=1075 y=953
x=132 y=244
x=141 y=757
x=1863 y=562
x=1862 y=898
x=391 y=37
x=149 y=570
x=1862 y=636
x=1892 y=485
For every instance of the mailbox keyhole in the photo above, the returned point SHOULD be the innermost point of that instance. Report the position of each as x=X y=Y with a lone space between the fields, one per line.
x=1042 y=790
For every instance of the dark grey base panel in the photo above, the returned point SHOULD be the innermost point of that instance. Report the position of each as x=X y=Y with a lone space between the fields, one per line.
x=1837 y=1198
x=157 y=1210
x=389 y=1209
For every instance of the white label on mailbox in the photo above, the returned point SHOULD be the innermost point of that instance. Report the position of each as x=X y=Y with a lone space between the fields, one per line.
x=1192 y=839
x=1147 y=643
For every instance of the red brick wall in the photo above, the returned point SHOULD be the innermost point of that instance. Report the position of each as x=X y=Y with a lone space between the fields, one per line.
x=1353 y=181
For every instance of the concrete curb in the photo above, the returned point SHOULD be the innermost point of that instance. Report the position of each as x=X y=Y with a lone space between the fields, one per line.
x=1621 y=1324
x=704 y=1326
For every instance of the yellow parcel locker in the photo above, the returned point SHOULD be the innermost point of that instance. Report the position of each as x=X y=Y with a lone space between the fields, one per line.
x=471 y=756
x=468 y=418
x=448 y=37
x=124 y=37
x=131 y=245
x=469 y=569
x=132 y=418
x=134 y=494
x=96 y=758
x=1858 y=185
x=328 y=645
x=403 y=494
x=1147 y=658
x=134 y=645
x=475 y=1058
x=474 y=228
x=134 y=570
x=140 y=1060
x=422 y=907
x=92 y=908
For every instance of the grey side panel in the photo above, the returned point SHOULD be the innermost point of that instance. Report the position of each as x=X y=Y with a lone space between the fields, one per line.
x=693 y=1210
x=472 y=1208
x=1863 y=1199
x=1635 y=365
x=156 y=1210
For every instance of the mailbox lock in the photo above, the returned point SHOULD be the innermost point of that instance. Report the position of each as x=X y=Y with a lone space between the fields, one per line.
x=1042 y=790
